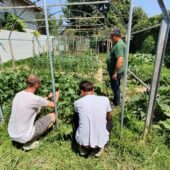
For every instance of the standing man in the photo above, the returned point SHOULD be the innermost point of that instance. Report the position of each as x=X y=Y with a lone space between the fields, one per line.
x=116 y=63
x=23 y=128
x=93 y=122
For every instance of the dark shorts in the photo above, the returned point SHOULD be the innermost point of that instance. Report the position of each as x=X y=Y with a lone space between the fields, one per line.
x=41 y=126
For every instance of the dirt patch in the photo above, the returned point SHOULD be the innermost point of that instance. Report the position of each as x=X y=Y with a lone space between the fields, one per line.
x=99 y=75
x=140 y=89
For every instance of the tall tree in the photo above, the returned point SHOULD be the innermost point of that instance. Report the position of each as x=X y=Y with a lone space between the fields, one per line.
x=54 y=25
x=115 y=13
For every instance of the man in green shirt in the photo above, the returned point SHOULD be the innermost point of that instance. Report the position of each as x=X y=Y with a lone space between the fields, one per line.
x=116 y=63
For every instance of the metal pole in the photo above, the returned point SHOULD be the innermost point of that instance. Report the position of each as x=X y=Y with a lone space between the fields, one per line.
x=126 y=62
x=76 y=18
x=1 y=115
x=145 y=29
x=161 y=47
x=0 y=62
x=137 y=78
x=50 y=58
x=55 y=5
x=12 y=53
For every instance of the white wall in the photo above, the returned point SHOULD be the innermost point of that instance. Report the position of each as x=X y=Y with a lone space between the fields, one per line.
x=22 y=45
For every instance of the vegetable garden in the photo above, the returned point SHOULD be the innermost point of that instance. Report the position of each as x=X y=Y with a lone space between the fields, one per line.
x=129 y=151
x=128 y=147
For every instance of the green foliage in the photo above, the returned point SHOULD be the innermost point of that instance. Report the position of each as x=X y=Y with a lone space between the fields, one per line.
x=142 y=66
x=11 y=19
x=54 y=24
x=83 y=63
x=140 y=19
x=165 y=124
x=36 y=33
x=115 y=13
x=11 y=83
x=148 y=45
x=167 y=61
x=122 y=152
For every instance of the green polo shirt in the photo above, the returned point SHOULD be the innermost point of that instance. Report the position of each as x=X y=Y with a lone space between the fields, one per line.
x=118 y=50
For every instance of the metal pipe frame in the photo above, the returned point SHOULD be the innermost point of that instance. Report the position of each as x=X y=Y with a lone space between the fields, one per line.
x=126 y=63
x=145 y=29
x=56 y=5
x=1 y=115
x=137 y=78
x=161 y=47
x=73 y=26
x=82 y=29
x=76 y=18
x=50 y=58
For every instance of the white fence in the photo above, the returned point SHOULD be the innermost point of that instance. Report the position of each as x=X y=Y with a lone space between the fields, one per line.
x=23 y=45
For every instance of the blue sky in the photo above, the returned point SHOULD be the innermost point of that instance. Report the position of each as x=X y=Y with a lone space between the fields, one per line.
x=151 y=7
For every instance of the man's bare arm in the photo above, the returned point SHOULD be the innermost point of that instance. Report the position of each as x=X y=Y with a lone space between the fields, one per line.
x=109 y=115
x=119 y=64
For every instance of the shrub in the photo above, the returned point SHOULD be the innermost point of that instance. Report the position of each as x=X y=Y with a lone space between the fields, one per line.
x=148 y=45
x=10 y=20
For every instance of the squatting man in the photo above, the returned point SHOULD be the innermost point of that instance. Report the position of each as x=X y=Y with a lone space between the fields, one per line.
x=24 y=128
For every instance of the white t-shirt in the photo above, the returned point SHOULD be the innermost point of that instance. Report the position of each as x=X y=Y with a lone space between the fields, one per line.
x=24 y=110
x=92 y=111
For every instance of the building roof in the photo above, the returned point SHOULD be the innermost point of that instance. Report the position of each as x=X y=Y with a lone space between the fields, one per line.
x=37 y=9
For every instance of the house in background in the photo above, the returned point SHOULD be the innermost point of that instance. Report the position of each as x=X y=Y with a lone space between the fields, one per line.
x=29 y=14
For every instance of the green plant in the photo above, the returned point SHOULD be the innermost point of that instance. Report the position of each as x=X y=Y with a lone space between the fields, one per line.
x=126 y=152
x=83 y=63
x=36 y=34
x=11 y=19
x=148 y=45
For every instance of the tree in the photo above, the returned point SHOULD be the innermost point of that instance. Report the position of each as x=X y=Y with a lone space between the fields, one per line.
x=140 y=19
x=148 y=45
x=54 y=25
x=85 y=11
x=115 y=13
x=9 y=20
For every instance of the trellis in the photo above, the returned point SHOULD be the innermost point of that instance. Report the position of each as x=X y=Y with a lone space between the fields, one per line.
x=161 y=46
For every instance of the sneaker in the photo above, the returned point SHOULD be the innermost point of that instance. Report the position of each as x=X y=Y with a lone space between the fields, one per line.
x=97 y=152
x=83 y=151
x=31 y=146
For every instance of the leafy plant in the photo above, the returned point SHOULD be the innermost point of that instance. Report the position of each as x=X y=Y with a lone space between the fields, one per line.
x=148 y=45
x=83 y=63
x=11 y=19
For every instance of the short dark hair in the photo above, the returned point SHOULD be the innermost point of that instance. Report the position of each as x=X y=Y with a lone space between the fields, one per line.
x=32 y=80
x=86 y=86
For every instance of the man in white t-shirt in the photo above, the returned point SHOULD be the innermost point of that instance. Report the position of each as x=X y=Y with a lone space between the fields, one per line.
x=93 y=114
x=23 y=128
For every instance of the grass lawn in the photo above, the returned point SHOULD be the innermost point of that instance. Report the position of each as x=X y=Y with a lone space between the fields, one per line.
x=55 y=152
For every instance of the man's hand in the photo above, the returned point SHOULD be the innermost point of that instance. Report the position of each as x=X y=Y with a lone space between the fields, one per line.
x=52 y=104
x=57 y=93
x=114 y=77
x=50 y=95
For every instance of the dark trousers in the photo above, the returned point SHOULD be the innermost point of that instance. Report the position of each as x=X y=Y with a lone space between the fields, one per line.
x=115 y=85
